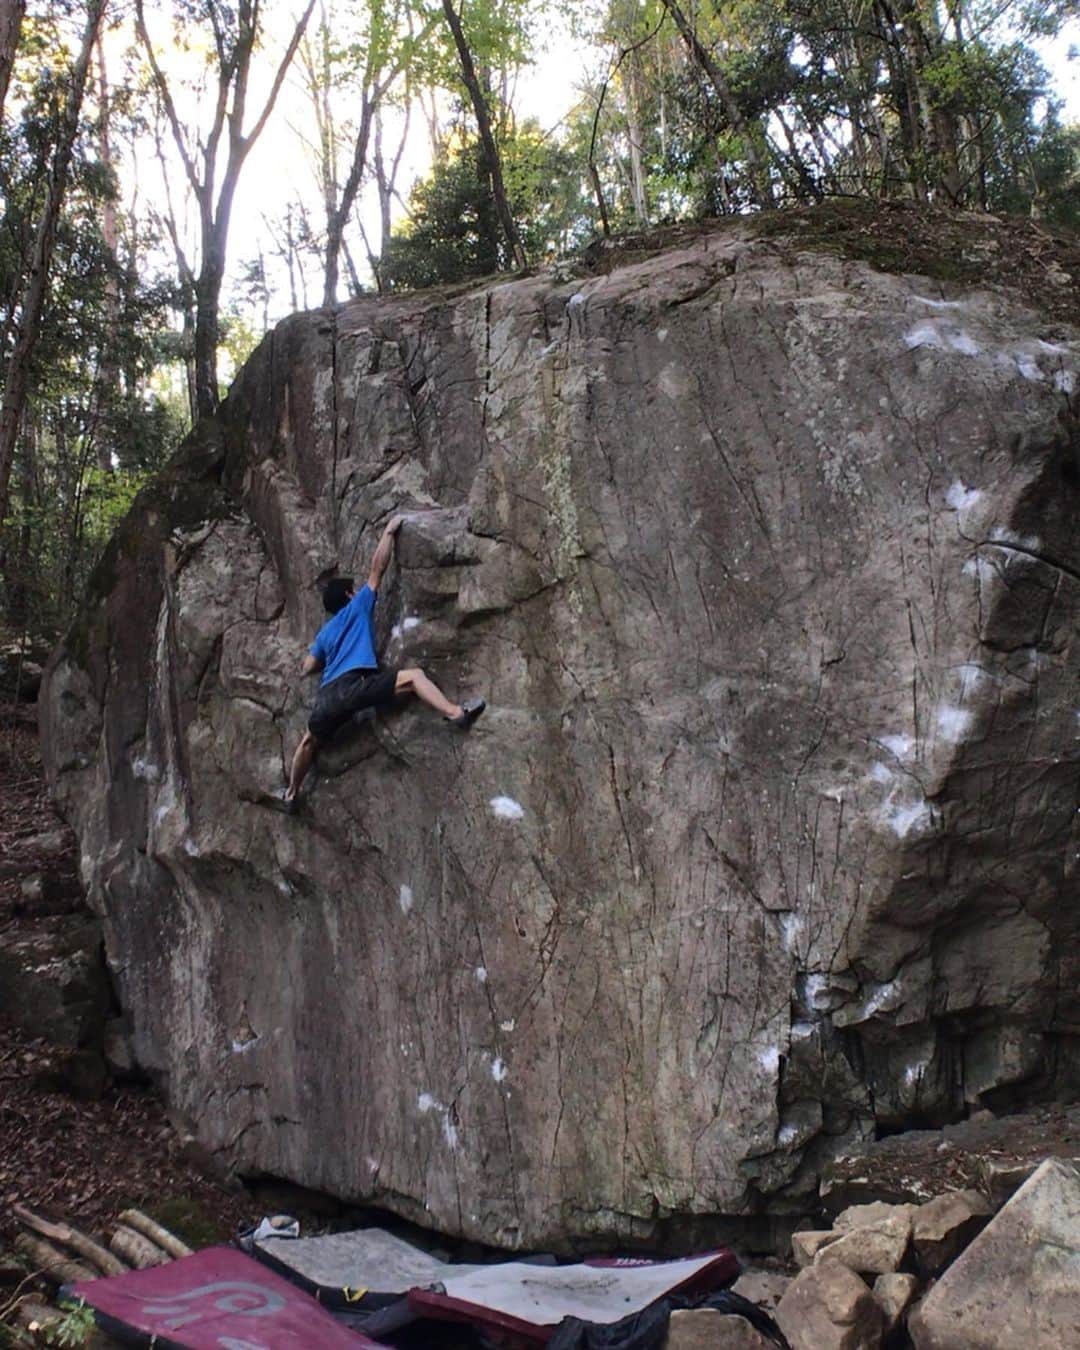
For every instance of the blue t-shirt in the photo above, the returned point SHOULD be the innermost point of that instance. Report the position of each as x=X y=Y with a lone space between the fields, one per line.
x=347 y=640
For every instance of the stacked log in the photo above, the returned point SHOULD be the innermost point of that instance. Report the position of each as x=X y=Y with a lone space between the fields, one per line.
x=59 y=1254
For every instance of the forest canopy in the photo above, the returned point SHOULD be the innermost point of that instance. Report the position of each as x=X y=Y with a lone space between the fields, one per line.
x=144 y=252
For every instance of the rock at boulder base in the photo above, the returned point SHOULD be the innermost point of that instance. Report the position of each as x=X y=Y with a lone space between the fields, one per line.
x=805 y=1245
x=707 y=1329
x=896 y=1293
x=1017 y=1286
x=867 y=1216
x=944 y=1226
x=828 y=1307
x=764 y=1287
x=875 y=1248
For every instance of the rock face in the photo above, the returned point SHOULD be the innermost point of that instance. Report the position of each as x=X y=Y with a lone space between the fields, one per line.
x=766 y=563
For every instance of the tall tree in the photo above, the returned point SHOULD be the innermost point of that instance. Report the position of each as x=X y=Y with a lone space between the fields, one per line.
x=17 y=373
x=492 y=162
x=360 y=67
x=759 y=168
x=235 y=39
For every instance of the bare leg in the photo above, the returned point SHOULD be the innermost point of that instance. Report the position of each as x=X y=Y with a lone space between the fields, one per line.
x=416 y=682
x=302 y=761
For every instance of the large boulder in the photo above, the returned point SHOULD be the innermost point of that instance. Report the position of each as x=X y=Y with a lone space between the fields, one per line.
x=1017 y=1287
x=766 y=563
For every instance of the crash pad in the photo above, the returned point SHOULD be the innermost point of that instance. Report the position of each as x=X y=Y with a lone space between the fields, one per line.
x=218 y=1299
x=524 y=1303
x=339 y=1268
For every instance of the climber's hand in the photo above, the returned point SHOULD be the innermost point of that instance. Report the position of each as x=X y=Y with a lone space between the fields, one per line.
x=394 y=524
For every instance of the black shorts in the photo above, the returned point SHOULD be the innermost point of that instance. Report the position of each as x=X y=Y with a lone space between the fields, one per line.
x=350 y=693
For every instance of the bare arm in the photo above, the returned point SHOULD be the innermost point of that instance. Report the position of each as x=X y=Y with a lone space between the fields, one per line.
x=311 y=665
x=383 y=553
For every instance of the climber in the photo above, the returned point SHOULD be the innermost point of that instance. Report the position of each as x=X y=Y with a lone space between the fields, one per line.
x=352 y=680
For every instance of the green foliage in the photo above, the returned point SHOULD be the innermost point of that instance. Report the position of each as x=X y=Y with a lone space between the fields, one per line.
x=453 y=233
x=75 y=1329
x=93 y=428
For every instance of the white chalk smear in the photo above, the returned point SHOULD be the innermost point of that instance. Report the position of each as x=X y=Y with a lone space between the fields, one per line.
x=963 y=342
x=769 y=1058
x=903 y=819
x=922 y=335
x=507 y=809
x=508 y=1025
x=791 y=927
x=405 y=898
x=962 y=498
x=410 y=622
x=498 y=1070
x=575 y=301
x=900 y=746
x=426 y=1103
x=1028 y=367
x=879 y=998
x=953 y=723
x=144 y=769
x=481 y=974
x=817 y=992
x=881 y=773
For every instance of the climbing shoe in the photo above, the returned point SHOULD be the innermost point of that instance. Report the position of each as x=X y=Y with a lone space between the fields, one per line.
x=470 y=711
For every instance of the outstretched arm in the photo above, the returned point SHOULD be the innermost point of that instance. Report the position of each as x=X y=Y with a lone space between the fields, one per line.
x=383 y=553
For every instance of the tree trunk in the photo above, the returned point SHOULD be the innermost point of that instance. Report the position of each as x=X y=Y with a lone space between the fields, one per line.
x=487 y=140
x=11 y=17
x=107 y=384
x=760 y=190
x=17 y=376
x=634 y=135
x=207 y=303
x=337 y=219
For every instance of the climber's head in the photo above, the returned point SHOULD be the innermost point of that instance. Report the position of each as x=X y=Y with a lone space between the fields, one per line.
x=337 y=593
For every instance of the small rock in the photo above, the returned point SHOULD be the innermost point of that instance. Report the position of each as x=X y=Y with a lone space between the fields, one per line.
x=875 y=1249
x=48 y=844
x=944 y=1226
x=1001 y=1178
x=764 y=1287
x=118 y=1049
x=1017 y=1286
x=827 y=1307
x=32 y=888
x=867 y=1216
x=896 y=1293
x=80 y=1074
x=805 y=1246
x=708 y=1329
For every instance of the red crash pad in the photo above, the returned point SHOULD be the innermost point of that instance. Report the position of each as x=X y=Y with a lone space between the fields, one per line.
x=218 y=1299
